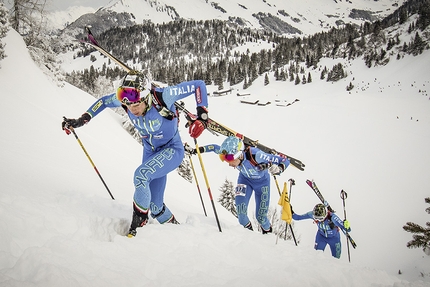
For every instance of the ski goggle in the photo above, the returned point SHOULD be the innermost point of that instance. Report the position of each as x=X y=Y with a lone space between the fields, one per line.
x=229 y=157
x=319 y=218
x=128 y=95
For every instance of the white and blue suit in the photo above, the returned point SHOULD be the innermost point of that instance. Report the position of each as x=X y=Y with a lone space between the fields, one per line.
x=328 y=232
x=163 y=150
x=253 y=178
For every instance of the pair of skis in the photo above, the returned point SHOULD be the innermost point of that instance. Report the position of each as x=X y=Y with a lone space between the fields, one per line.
x=213 y=126
x=314 y=187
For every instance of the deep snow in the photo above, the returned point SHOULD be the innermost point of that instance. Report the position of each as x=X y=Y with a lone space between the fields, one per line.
x=59 y=225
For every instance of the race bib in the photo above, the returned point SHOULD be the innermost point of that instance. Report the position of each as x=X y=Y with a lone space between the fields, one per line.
x=240 y=189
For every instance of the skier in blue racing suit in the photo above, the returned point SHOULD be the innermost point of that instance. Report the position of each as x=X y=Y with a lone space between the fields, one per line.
x=254 y=167
x=328 y=228
x=152 y=111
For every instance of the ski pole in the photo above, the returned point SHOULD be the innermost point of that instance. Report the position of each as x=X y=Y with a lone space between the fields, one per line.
x=286 y=226
x=344 y=195
x=292 y=182
x=207 y=183
x=197 y=184
x=89 y=158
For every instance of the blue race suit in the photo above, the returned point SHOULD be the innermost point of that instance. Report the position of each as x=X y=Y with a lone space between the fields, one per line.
x=328 y=232
x=253 y=178
x=163 y=150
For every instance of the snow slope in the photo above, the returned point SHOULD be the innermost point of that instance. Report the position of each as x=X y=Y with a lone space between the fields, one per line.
x=59 y=225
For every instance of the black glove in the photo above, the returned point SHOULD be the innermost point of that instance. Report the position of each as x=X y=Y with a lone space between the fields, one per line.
x=189 y=150
x=202 y=114
x=75 y=123
x=263 y=166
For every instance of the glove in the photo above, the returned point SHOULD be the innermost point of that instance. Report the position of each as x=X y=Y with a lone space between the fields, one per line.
x=276 y=169
x=346 y=224
x=263 y=166
x=202 y=114
x=189 y=150
x=75 y=123
x=197 y=127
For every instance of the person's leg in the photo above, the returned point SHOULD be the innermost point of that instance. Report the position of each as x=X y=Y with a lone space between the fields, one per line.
x=243 y=195
x=262 y=201
x=154 y=166
x=157 y=206
x=335 y=245
x=320 y=242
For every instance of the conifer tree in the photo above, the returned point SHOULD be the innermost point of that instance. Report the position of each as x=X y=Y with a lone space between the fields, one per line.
x=184 y=170
x=266 y=80
x=227 y=196
x=25 y=19
x=421 y=237
x=4 y=27
x=297 y=81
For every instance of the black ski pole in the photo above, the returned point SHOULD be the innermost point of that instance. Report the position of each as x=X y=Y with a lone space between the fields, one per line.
x=207 y=184
x=344 y=195
x=286 y=223
x=292 y=182
x=89 y=158
x=197 y=184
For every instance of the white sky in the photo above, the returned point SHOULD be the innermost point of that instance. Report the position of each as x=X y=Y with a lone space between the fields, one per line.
x=61 y=5
x=59 y=225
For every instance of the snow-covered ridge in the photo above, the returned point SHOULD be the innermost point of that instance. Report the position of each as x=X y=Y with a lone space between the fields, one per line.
x=308 y=16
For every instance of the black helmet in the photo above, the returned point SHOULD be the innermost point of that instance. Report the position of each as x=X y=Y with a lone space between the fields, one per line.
x=319 y=212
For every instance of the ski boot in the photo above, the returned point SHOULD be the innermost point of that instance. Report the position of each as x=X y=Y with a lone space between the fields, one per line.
x=173 y=220
x=266 y=231
x=139 y=219
x=249 y=226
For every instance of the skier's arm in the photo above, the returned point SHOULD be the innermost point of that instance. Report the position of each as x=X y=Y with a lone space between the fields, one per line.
x=308 y=215
x=207 y=148
x=106 y=101
x=339 y=223
x=275 y=163
x=197 y=88
x=171 y=94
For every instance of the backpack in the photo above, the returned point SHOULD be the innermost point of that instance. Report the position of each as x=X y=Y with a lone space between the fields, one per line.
x=159 y=104
x=330 y=222
x=249 y=156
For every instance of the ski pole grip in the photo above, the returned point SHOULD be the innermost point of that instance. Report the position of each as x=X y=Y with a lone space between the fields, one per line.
x=343 y=194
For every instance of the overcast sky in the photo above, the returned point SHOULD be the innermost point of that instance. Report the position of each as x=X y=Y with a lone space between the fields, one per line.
x=60 y=5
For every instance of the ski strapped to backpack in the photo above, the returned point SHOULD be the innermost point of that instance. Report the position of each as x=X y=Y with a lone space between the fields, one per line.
x=157 y=99
x=212 y=126
x=218 y=128
x=314 y=187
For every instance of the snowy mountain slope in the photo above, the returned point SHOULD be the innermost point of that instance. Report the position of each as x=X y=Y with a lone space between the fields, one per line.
x=61 y=19
x=308 y=16
x=59 y=226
